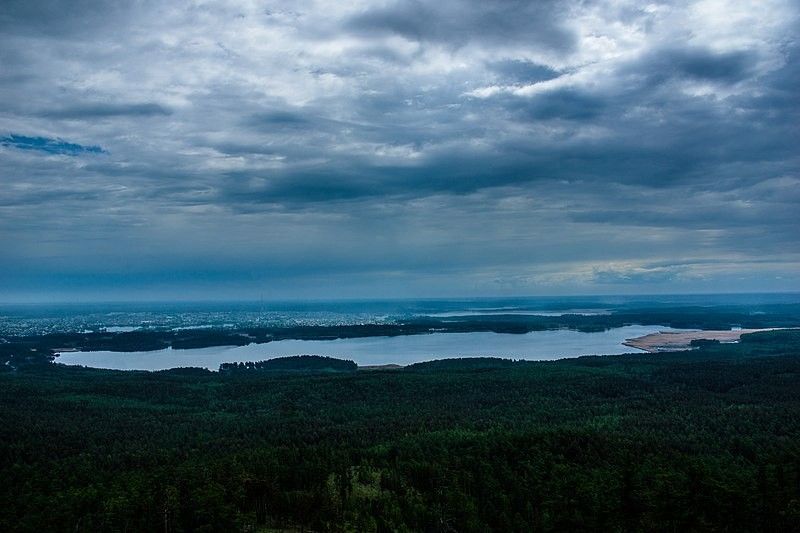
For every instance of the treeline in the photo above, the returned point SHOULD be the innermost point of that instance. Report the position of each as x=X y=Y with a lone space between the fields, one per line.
x=295 y=363
x=464 y=363
x=15 y=355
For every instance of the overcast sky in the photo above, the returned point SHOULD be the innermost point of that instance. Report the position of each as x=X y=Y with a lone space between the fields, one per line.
x=202 y=150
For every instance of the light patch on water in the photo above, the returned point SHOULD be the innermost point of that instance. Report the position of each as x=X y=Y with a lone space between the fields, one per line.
x=522 y=312
x=120 y=329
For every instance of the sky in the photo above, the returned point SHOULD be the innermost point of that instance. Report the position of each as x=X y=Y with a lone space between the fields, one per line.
x=350 y=149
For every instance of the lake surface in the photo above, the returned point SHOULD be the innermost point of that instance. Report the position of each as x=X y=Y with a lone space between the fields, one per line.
x=402 y=350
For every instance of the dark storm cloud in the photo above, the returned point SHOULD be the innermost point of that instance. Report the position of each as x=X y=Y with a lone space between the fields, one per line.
x=56 y=19
x=668 y=65
x=567 y=104
x=103 y=110
x=457 y=22
x=458 y=146
x=522 y=71
x=704 y=64
x=278 y=118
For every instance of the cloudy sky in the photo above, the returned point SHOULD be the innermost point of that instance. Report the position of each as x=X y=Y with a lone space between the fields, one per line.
x=236 y=149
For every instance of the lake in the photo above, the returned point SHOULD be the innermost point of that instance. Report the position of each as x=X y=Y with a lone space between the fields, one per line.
x=401 y=350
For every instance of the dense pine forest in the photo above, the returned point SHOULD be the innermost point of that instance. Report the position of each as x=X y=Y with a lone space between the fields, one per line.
x=690 y=441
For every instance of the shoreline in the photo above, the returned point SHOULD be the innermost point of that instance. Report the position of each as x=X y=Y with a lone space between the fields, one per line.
x=667 y=341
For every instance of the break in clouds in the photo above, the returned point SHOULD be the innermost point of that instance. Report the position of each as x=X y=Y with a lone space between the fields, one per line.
x=326 y=149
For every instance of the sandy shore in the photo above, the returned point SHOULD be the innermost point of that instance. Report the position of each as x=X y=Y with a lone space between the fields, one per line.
x=670 y=341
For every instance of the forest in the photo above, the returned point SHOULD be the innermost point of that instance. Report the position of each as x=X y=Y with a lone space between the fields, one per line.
x=704 y=440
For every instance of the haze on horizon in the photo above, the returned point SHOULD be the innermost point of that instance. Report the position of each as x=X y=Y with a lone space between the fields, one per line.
x=235 y=149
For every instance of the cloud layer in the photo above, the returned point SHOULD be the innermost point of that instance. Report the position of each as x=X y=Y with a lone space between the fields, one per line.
x=238 y=149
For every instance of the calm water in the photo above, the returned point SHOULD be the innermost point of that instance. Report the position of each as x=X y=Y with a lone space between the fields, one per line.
x=403 y=350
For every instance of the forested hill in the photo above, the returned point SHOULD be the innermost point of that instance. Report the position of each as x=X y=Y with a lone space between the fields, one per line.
x=693 y=441
x=296 y=363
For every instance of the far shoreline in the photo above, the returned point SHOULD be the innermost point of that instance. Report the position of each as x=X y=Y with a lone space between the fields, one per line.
x=670 y=341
